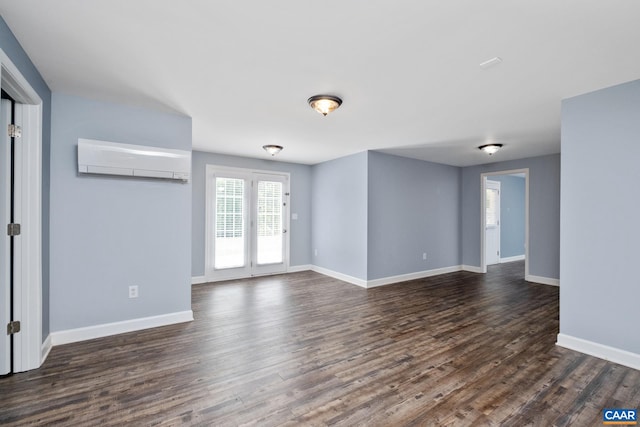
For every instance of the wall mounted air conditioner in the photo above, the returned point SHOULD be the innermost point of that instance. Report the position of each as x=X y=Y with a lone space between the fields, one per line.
x=111 y=158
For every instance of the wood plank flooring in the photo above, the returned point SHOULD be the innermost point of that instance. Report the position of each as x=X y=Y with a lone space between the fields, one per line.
x=304 y=349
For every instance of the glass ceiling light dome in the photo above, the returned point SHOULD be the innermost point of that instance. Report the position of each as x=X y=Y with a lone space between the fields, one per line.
x=324 y=104
x=272 y=149
x=490 y=148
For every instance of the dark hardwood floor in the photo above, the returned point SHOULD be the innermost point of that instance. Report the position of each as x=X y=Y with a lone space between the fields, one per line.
x=305 y=349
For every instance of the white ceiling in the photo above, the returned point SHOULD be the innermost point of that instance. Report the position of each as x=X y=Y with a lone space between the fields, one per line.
x=407 y=70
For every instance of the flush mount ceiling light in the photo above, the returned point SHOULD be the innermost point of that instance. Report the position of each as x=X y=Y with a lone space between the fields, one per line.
x=324 y=104
x=272 y=149
x=490 y=148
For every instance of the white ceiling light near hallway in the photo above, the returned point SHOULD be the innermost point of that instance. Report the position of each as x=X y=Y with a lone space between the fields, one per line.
x=324 y=104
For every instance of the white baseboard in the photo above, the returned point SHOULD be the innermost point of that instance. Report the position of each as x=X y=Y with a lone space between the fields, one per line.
x=512 y=259
x=542 y=280
x=299 y=268
x=198 y=280
x=46 y=348
x=107 y=329
x=612 y=354
x=385 y=280
x=471 y=269
x=344 y=277
x=412 y=276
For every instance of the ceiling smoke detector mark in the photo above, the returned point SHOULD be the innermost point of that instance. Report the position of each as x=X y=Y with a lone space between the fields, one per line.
x=490 y=62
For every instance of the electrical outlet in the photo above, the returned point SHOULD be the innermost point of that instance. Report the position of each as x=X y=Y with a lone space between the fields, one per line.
x=424 y=256
x=315 y=252
x=133 y=291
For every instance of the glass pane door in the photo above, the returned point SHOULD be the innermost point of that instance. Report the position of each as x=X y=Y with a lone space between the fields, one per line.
x=230 y=225
x=247 y=220
x=270 y=221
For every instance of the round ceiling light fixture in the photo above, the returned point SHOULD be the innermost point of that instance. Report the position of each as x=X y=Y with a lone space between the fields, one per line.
x=490 y=148
x=272 y=149
x=324 y=104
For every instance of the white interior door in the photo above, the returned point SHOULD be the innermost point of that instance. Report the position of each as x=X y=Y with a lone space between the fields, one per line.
x=492 y=222
x=247 y=221
x=5 y=255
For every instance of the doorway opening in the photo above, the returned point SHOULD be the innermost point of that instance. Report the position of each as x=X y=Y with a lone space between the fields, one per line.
x=505 y=218
x=247 y=223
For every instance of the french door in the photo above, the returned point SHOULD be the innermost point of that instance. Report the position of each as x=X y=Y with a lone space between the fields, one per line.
x=247 y=222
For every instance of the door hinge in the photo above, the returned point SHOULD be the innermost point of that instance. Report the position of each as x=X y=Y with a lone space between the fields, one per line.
x=14 y=131
x=13 y=327
x=13 y=229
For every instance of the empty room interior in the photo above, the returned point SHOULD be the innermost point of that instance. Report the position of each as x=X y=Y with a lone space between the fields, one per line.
x=319 y=213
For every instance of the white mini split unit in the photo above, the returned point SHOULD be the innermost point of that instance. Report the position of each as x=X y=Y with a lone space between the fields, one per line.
x=111 y=158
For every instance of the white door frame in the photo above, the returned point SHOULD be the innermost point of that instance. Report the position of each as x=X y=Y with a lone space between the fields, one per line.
x=483 y=180
x=28 y=349
x=211 y=171
x=5 y=240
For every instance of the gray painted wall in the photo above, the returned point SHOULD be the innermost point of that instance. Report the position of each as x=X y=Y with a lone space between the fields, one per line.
x=300 y=188
x=544 y=212
x=339 y=215
x=512 y=215
x=18 y=56
x=414 y=207
x=108 y=233
x=600 y=229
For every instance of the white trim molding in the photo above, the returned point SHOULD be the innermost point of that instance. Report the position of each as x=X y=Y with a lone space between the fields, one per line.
x=107 y=329
x=472 y=269
x=340 y=276
x=385 y=280
x=46 y=348
x=601 y=351
x=542 y=280
x=512 y=259
x=198 y=280
x=299 y=268
x=411 y=276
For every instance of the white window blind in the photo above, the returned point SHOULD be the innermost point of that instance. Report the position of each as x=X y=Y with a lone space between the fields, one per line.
x=270 y=221
x=230 y=227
